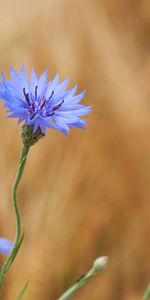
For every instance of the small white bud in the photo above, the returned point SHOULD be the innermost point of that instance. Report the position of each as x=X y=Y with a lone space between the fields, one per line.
x=100 y=263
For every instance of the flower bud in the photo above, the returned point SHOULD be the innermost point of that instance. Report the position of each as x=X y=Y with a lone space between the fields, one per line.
x=100 y=263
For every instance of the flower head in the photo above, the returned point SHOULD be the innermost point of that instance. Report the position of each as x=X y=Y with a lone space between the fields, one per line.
x=5 y=246
x=42 y=104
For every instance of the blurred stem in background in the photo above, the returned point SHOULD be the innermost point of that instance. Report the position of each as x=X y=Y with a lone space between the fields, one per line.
x=99 y=265
x=19 y=236
x=22 y=293
x=146 y=295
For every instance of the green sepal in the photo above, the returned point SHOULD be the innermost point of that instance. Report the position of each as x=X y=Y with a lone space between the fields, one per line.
x=29 y=137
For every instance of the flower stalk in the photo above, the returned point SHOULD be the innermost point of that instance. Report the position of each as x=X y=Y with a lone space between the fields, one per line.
x=22 y=293
x=99 y=265
x=19 y=235
x=146 y=295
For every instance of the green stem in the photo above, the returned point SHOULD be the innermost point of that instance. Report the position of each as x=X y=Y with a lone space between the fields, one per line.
x=98 y=266
x=19 y=237
x=146 y=295
x=21 y=166
x=22 y=293
x=77 y=286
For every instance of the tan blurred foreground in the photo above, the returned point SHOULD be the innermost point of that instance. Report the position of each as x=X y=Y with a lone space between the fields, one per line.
x=86 y=195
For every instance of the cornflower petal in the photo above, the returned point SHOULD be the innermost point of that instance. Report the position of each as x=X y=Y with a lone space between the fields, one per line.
x=33 y=78
x=5 y=246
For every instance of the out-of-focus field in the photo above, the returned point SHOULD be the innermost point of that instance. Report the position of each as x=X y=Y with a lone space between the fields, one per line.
x=88 y=194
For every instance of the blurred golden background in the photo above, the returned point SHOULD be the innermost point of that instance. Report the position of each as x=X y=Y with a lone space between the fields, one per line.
x=85 y=195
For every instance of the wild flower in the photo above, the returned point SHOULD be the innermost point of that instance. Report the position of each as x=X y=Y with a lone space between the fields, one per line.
x=5 y=246
x=42 y=104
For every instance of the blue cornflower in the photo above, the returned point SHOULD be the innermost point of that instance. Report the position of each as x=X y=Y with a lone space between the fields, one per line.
x=42 y=104
x=5 y=246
